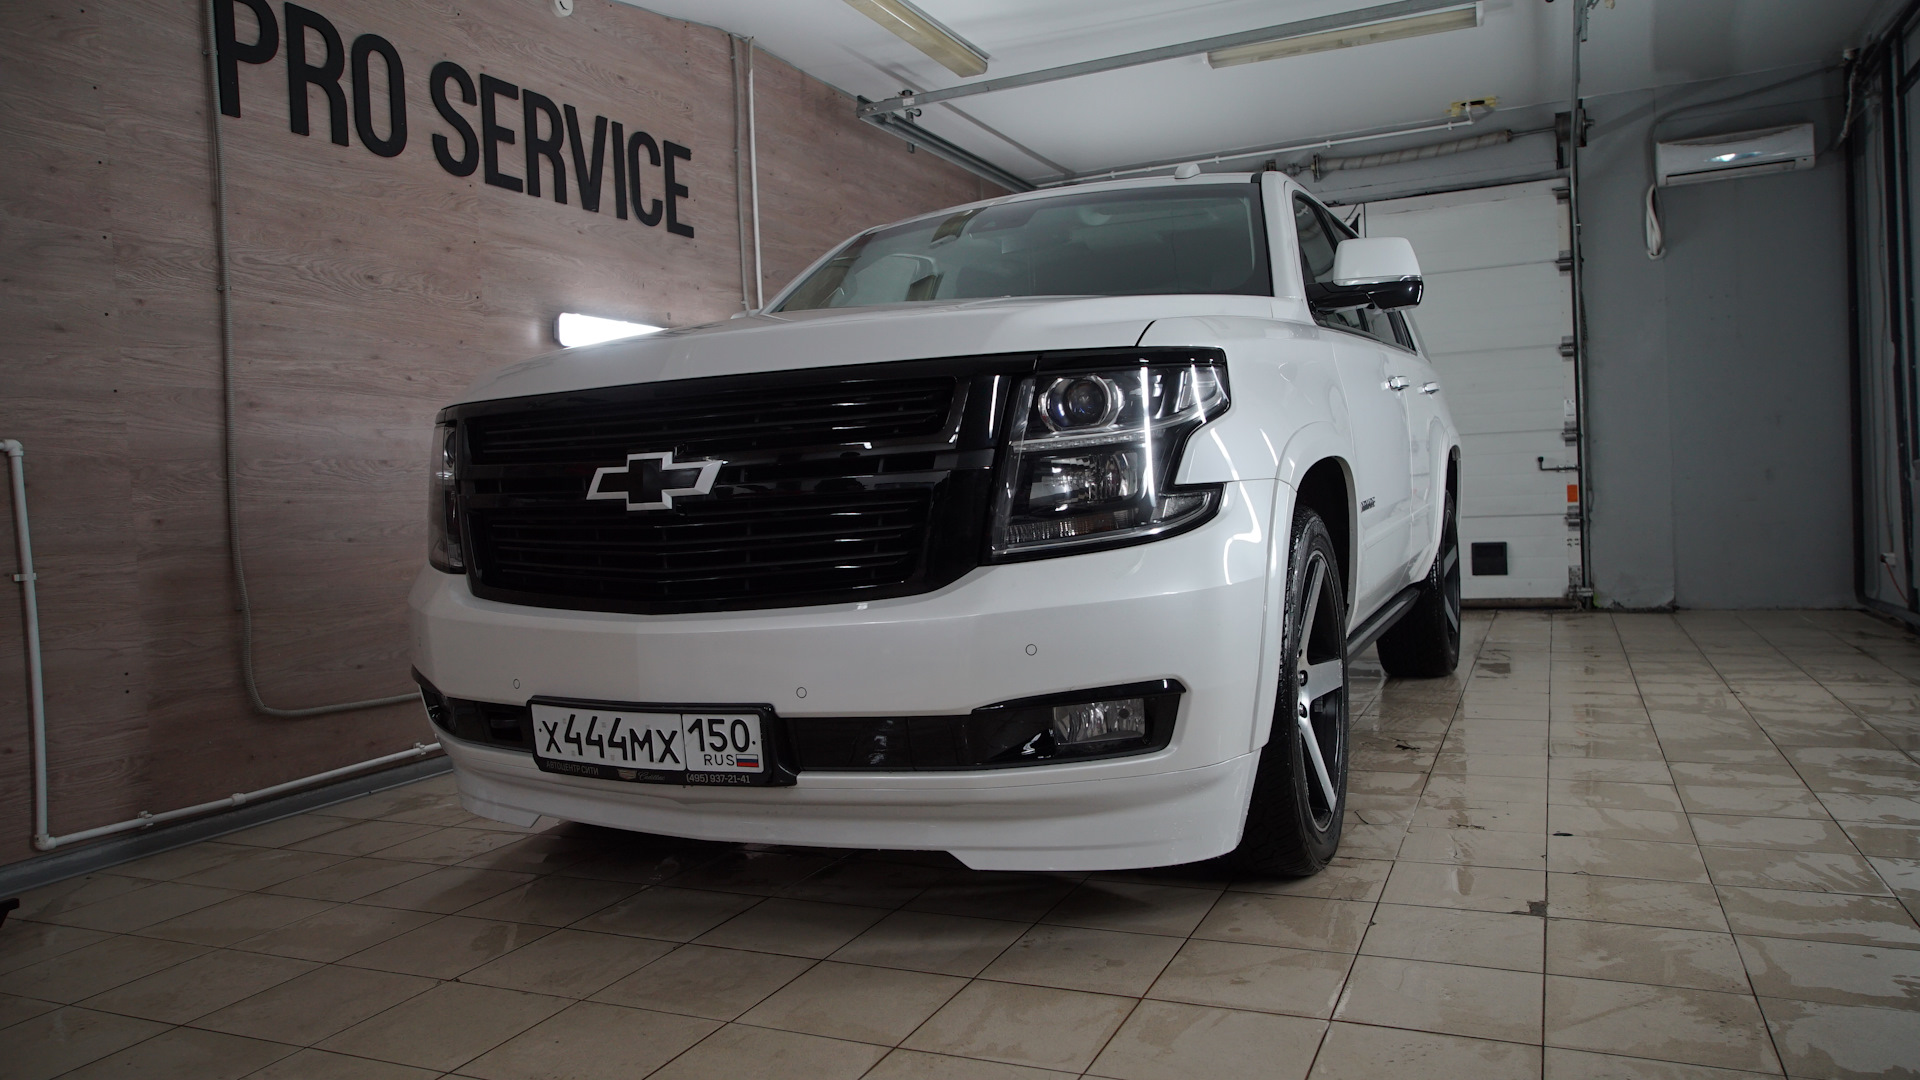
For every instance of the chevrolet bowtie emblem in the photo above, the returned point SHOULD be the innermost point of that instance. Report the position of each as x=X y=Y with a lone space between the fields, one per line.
x=650 y=481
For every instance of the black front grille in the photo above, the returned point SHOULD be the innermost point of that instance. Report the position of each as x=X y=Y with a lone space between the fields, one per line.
x=764 y=547
x=837 y=484
x=726 y=420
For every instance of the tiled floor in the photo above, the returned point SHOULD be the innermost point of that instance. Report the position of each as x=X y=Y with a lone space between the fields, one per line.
x=1616 y=846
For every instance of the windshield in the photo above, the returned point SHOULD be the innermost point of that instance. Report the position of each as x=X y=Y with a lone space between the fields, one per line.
x=1205 y=239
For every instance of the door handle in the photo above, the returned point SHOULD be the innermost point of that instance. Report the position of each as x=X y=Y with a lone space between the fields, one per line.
x=1430 y=388
x=1397 y=382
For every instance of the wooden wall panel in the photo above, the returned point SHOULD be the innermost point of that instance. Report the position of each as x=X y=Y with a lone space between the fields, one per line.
x=367 y=292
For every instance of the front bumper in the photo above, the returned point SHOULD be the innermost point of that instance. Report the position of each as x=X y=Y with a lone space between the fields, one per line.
x=1191 y=608
x=1156 y=819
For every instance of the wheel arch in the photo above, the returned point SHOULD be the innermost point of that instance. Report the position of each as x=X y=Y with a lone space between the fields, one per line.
x=1317 y=466
x=1451 y=489
x=1327 y=489
x=1324 y=481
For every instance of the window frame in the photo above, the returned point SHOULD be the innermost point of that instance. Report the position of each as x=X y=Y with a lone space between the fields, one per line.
x=1393 y=322
x=1261 y=249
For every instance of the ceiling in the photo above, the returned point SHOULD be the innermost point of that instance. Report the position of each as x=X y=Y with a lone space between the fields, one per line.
x=1184 y=109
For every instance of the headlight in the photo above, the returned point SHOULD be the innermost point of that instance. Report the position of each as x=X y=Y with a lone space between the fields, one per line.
x=1091 y=455
x=443 y=520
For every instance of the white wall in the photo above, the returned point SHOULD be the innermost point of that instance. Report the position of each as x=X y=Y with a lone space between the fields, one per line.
x=1718 y=417
x=1718 y=377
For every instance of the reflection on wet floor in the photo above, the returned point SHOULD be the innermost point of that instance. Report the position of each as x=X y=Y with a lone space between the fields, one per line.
x=1613 y=845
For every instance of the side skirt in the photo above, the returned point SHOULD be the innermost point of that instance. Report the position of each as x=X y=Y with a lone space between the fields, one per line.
x=1382 y=621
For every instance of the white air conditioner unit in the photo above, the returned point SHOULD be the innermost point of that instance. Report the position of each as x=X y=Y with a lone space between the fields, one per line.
x=1741 y=153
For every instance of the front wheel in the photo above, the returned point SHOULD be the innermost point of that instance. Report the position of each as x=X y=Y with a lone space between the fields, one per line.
x=1300 y=788
x=1425 y=643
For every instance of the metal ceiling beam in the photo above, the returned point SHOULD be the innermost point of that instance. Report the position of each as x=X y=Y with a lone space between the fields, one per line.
x=917 y=136
x=1469 y=119
x=1342 y=21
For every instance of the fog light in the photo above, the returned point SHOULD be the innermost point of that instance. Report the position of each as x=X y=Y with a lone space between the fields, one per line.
x=1100 y=721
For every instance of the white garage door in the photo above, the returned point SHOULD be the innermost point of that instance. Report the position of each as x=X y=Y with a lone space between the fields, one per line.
x=1497 y=310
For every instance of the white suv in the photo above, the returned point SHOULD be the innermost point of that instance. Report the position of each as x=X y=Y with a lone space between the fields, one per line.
x=1038 y=531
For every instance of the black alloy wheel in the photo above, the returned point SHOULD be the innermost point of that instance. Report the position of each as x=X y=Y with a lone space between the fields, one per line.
x=1300 y=789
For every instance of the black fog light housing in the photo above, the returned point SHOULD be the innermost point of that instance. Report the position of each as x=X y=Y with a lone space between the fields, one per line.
x=488 y=722
x=439 y=710
x=1110 y=721
x=1080 y=725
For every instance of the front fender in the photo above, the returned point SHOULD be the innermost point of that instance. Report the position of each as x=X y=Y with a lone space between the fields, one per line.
x=1288 y=413
x=1273 y=625
x=1282 y=377
x=1312 y=445
x=1308 y=447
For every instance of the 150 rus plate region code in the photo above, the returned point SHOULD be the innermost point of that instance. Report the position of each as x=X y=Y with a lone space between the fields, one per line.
x=611 y=743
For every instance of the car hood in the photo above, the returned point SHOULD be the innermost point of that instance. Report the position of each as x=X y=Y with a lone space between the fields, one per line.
x=845 y=336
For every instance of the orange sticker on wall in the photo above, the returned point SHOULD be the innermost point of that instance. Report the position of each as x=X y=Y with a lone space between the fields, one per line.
x=1573 y=493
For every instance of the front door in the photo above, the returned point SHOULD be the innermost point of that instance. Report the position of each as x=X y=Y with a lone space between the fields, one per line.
x=1372 y=377
x=1382 y=484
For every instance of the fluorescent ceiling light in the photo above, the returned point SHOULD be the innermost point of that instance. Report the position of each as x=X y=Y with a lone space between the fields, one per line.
x=1435 y=22
x=924 y=32
x=572 y=328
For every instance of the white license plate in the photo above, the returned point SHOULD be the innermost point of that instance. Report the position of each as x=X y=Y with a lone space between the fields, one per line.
x=626 y=741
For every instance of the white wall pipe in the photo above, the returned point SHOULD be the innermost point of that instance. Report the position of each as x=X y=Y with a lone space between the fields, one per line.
x=30 y=599
x=740 y=169
x=147 y=820
x=43 y=838
x=753 y=169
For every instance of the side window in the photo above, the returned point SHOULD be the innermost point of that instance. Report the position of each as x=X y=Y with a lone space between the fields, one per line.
x=1380 y=325
x=1316 y=245
x=1402 y=332
x=1319 y=235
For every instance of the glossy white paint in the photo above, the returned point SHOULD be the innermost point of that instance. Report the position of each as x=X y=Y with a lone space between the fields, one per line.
x=1072 y=822
x=1375 y=259
x=1192 y=608
x=1201 y=607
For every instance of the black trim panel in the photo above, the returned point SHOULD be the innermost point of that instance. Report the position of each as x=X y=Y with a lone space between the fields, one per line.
x=1009 y=734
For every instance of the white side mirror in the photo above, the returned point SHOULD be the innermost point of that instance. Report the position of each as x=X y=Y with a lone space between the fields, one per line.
x=1371 y=260
x=1376 y=271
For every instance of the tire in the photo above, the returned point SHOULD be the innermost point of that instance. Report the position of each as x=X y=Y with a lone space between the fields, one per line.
x=1300 y=788
x=1425 y=643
